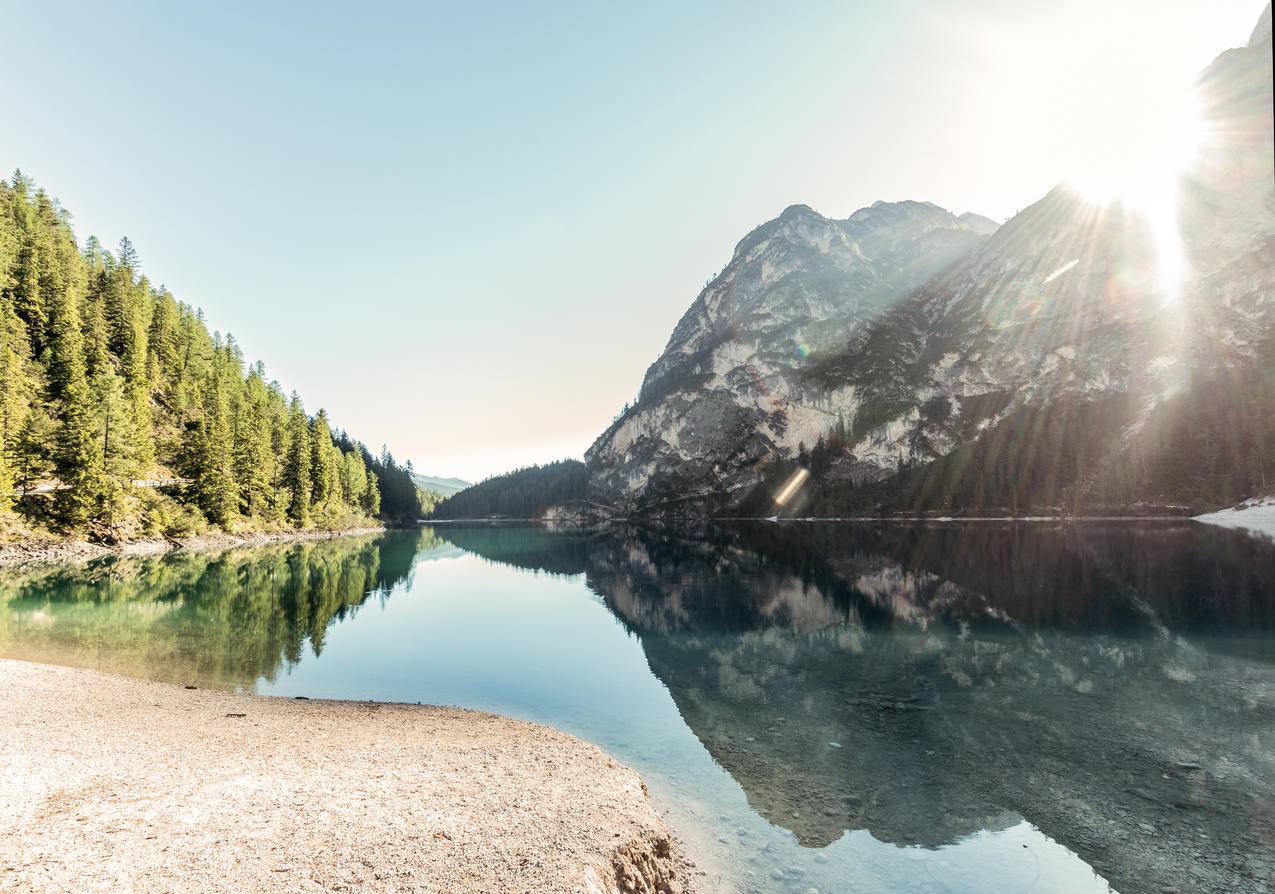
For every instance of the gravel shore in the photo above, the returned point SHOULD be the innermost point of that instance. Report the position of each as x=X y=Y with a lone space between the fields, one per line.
x=109 y=784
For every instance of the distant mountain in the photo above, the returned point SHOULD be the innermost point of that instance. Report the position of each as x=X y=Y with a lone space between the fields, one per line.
x=907 y=359
x=444 y=486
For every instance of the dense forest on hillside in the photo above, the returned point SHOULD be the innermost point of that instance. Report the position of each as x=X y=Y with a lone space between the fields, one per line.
x=122 y=415
x=524 y=493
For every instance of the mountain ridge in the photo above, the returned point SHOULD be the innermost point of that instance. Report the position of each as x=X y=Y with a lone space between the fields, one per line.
x=440 y=485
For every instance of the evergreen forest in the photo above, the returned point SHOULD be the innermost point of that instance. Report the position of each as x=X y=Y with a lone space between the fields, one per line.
x=122 y=415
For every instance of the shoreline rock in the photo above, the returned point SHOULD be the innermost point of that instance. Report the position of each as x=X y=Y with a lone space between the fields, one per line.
x=109 y=783
x=40 y=552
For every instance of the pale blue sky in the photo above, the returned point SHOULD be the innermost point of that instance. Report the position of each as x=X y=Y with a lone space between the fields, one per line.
x=466 y=229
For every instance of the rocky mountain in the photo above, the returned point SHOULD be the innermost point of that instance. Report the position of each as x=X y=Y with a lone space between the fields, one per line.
x=1082 y=356
x=727 y=394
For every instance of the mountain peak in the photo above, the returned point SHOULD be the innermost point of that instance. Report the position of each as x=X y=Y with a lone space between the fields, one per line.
x=439 y=484
x=900 y=209
x=795 y=211
x=984 y=226
x=1261 y=33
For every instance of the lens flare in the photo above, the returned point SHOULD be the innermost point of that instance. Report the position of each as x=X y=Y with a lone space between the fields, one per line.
x=791 y=487
x=1143 y=149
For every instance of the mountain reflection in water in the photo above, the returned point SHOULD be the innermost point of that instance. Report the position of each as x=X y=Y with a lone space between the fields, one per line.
x=1113 y=683
x=929 y=685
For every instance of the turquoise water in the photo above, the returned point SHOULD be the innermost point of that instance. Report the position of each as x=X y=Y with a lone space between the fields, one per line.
x=826 y=707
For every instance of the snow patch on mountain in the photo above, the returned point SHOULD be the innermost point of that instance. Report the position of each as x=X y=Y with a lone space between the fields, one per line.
x=1257 y=516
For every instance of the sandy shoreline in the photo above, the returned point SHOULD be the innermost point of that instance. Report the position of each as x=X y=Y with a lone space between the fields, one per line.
x=40 y=552
x=121 y=785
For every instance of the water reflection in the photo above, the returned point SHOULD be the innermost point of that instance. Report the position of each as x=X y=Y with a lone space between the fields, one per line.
x=1083 y=578
x=222 y=619
x=1112 y=683
x=929 y=686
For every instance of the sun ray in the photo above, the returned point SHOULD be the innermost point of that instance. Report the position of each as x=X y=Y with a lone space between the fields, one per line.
x=1138 y=165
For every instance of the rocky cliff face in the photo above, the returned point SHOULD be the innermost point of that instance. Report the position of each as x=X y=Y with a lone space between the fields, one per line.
x=1084 y=352
x=727 y=395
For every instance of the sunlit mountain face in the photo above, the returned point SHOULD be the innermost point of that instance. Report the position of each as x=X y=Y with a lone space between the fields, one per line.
x=1109 y=348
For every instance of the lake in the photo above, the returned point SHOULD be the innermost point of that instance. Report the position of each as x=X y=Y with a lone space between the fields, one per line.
x=830 y=707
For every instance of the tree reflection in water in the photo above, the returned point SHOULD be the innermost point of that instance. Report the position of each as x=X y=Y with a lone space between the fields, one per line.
x=222 y=619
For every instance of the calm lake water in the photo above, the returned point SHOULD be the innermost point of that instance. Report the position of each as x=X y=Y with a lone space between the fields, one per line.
x=979 y=707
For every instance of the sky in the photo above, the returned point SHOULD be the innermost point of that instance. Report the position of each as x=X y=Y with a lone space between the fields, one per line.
x=467 y=229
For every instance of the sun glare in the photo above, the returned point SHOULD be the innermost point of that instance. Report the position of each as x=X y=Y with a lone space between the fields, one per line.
x=1140 y=151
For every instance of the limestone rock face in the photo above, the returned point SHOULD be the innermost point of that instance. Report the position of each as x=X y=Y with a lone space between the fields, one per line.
x=727 y=394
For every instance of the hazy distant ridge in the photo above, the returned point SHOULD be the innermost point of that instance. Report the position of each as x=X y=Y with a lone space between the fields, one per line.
x=444 y=486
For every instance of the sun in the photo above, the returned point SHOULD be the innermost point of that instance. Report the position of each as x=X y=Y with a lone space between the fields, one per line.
x=1141 y=148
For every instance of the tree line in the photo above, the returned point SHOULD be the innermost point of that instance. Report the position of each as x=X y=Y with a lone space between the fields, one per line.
x=121 y=414
x=523 y=493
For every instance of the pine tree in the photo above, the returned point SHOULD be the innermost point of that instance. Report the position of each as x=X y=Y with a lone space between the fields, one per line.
x=32 y=452
x=254 y=459
x=297 y=470
x=215 y=484
x=24 y=290
x=96 y=340
x=15 y=395
x=353 y=479
x=114 y=424
x=94 y=255
x=76 y=460
x=372 y=496
x=324 y=478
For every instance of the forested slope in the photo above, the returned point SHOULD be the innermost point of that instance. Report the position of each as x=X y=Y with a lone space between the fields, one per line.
x=523 y=493
x=122 y=415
